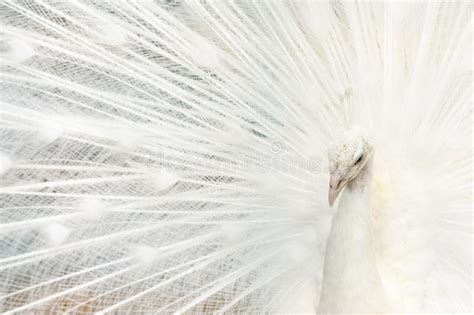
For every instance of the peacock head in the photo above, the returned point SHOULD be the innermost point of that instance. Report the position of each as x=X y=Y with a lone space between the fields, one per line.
x=347 y=157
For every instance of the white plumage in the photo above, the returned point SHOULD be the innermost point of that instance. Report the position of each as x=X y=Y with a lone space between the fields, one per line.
x=171 y=156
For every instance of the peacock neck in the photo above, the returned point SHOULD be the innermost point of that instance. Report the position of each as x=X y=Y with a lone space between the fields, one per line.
x=353 y=213
x=351 y=281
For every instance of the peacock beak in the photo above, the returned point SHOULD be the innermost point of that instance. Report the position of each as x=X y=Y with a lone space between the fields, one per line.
x=336 y=183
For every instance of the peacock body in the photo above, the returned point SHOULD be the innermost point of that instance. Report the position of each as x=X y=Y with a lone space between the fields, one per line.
x=171 y=156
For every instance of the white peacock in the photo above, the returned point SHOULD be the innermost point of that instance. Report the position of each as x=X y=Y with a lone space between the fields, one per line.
x=170 y=157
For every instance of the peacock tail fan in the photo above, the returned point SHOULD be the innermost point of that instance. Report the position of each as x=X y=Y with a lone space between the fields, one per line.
x=171 y=156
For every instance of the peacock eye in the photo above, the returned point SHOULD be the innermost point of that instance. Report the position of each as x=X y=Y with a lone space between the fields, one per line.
x=359 y=159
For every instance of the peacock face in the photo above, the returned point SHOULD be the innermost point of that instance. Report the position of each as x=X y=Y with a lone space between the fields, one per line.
x=347 y=157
